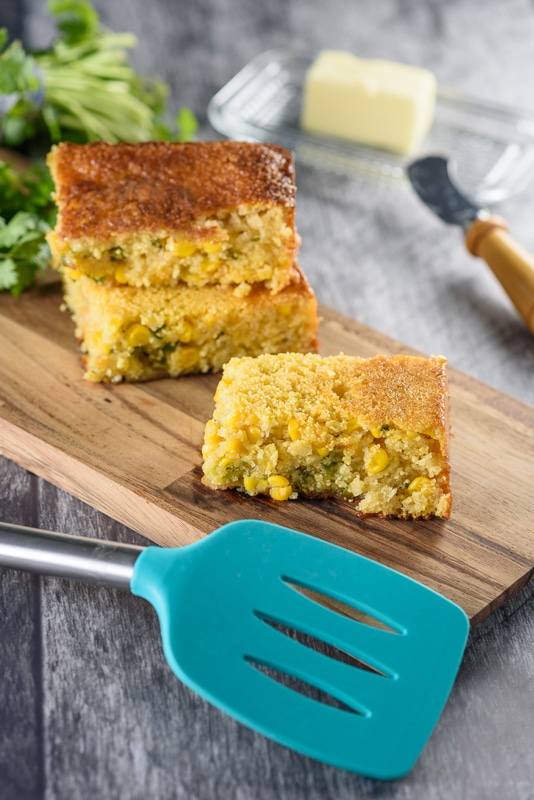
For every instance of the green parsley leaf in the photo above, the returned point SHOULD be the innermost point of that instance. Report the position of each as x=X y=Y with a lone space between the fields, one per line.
x=187 y=125
x=9 y=275
x=23 y=250
x=76 y=19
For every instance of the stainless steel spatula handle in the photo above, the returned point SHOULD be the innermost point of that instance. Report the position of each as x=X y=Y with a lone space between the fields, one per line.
x=64 y=556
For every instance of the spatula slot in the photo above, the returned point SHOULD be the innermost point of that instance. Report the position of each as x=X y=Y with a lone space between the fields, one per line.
x=319 y=645
x=302 y=687
x=345 y=609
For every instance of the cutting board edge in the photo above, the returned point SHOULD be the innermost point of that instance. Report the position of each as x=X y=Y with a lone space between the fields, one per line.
x=159 y=520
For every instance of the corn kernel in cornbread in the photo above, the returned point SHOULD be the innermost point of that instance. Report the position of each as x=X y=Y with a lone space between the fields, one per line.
x=160 y=213
x=138 y=334
x=374 y=431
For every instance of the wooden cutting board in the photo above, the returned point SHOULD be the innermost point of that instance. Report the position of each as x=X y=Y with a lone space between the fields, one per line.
x=133 y=452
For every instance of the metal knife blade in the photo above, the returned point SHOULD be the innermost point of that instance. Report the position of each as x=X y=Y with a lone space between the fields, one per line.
x=431 y=180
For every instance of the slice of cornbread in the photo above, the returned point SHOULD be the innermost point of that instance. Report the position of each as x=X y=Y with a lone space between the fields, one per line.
x=138 y=334
x=158 y=213
x=369 y=430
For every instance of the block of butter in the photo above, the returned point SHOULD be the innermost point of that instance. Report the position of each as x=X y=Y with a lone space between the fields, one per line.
x=374 y=102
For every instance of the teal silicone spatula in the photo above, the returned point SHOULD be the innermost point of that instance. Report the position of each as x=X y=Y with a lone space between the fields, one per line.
x=226 y=604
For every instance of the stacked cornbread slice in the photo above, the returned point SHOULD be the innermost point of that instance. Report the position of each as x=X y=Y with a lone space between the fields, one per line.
x=373 y=431
x=178 y=256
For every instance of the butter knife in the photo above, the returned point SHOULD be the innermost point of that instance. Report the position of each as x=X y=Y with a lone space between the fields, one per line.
x=486 y=235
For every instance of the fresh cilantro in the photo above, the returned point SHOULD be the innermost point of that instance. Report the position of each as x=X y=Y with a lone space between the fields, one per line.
x=82 y=88
x=23 y=250
x=187 y=125
x=76 y=19
x=26 y=214
x=29 y=191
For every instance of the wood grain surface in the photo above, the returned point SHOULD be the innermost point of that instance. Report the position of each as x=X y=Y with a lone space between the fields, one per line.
x=133 y=452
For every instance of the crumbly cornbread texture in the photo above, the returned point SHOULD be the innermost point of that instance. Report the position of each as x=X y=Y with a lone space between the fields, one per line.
x=374 y=431
x=137 y=334
x=160 y=213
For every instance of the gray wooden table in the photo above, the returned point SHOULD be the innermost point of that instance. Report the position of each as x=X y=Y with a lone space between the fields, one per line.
x=88 y=706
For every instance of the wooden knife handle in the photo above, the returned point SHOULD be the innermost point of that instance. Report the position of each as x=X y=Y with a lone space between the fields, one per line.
x=511 y=264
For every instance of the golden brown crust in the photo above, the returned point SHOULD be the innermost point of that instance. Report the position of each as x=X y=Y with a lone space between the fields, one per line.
x=408 y=391
x=103 y=189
